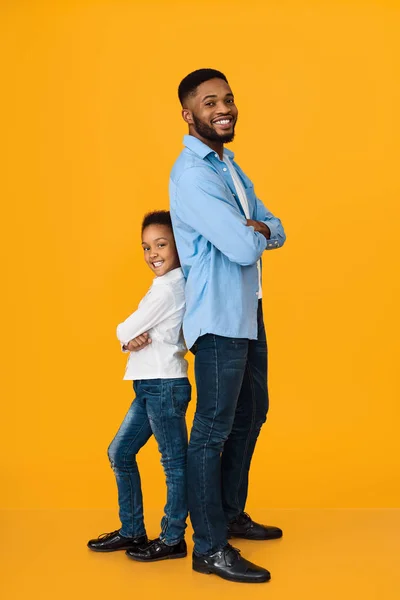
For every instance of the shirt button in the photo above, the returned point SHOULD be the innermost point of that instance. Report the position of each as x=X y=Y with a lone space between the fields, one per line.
x=216 y=155
x=224 y=169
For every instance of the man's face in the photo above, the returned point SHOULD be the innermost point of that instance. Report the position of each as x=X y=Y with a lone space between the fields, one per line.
x=212 y=112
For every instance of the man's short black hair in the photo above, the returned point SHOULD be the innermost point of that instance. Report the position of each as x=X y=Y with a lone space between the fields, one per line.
x=191 y=82
x=158 y=217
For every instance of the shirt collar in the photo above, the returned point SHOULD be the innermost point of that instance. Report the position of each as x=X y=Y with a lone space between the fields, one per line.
x=229 y=153
x=173 y=275
x=201 y=149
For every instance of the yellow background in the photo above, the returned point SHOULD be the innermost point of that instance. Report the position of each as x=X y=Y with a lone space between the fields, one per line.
x=91 y=129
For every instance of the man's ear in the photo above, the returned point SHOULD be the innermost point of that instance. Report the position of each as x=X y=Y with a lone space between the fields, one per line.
x=187 y=116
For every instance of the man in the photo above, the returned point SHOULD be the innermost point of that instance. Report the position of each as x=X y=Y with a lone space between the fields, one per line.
x=221 y=230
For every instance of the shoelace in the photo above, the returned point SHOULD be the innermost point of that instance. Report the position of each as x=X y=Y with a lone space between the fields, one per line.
x=245 y=517
x=242 y=519
x=231 y=554
x=105 y=536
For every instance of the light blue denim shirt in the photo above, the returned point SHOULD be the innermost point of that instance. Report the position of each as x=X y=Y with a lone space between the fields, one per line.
x=218 y=252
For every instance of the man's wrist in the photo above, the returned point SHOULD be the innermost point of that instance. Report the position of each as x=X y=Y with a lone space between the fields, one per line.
x=266 y=230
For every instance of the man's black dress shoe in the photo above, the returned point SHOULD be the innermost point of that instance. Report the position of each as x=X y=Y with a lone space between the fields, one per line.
x=157 y=550
x=228 y=564
x=110 y=542
x=244 y=527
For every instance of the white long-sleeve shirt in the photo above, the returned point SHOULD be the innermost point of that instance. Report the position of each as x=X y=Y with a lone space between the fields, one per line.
x=160 y=313
x=241 y=196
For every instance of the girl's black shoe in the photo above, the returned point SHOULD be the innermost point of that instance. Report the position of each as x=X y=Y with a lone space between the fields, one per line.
x=157 y=550
x=110 y=542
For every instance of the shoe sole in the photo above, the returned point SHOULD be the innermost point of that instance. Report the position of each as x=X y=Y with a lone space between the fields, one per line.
x=243 y=536
x=207 y=571
x=182 y=555
x=110 y=550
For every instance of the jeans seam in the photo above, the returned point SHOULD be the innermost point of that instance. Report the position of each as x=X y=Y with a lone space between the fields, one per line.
x=166 y=388
x=166 y=445
x=248 y=435
x=132 y=507
x=130 y=445
x=130 y=481
x=208 y=440
x=162 y=419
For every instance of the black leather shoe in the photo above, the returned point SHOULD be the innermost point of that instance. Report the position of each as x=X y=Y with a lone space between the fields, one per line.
x=110 y=542
x=158 y=550
x=228 y=564
x=244 y=527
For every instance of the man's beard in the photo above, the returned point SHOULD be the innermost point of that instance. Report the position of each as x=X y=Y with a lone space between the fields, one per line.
x=208 y=133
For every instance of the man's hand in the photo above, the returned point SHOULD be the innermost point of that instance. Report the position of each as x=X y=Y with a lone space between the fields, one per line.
x=138 y=343
x=260 y=227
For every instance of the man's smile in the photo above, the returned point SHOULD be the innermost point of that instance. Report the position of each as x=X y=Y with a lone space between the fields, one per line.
x=223 y=122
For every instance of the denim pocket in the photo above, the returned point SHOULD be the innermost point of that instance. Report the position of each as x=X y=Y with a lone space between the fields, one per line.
x=150 y=390
x=181 y=394
x=239 y=341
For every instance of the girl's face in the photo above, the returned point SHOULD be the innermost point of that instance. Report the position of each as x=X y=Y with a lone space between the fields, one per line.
x=159 y=249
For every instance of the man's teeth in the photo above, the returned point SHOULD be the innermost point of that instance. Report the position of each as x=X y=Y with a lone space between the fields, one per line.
x=223 y=122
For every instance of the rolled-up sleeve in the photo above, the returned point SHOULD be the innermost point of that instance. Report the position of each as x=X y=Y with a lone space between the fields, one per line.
x=201 y=202
x=278 y=236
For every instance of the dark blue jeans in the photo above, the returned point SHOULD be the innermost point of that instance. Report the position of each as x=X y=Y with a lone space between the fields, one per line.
x=232 y=405
x=159 y=409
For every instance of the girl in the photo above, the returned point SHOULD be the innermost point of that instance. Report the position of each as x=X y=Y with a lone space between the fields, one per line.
x=159 y=374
